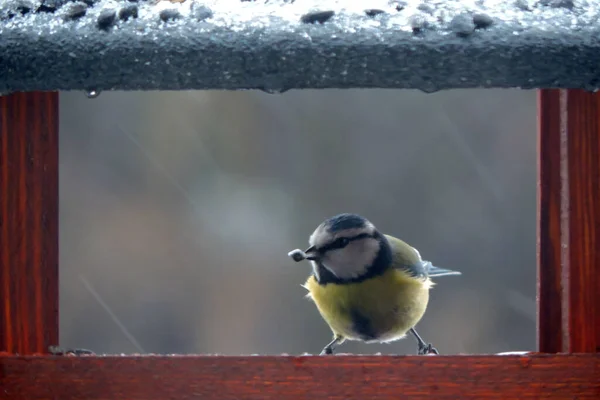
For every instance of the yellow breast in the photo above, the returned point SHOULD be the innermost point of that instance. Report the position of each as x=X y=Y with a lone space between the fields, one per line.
x=379 y=309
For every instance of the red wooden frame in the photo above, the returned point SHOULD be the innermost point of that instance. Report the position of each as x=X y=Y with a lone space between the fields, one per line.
x=28 y=222
x=569 y=221
x=568 y=288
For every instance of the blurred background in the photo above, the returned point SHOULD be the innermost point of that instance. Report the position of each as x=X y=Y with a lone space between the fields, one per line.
x=178 y=210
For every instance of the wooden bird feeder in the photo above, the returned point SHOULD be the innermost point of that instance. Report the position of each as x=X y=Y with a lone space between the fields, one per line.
x=554 y=49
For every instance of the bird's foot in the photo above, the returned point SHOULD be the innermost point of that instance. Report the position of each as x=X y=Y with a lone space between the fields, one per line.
x=427 y=349
x=60 y=351
x=328 y=350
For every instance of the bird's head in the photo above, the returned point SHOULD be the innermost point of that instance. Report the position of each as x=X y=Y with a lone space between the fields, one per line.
x=347 y=246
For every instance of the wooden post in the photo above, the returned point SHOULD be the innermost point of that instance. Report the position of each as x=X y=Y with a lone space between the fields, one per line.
x=28 y=222
x=569 y=221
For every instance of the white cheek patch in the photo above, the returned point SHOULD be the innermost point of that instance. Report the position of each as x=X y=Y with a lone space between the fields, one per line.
x=353 y=260
x=332 y=270
x=315 y=268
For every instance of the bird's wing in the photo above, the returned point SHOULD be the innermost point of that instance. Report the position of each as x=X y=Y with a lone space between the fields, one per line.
x=407 y=258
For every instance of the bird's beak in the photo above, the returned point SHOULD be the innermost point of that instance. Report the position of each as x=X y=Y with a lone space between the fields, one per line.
x=312 y=253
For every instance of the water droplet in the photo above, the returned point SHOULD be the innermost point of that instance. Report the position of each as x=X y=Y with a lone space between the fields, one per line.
x=273 y=90
x=429 y=88
x=92 y=93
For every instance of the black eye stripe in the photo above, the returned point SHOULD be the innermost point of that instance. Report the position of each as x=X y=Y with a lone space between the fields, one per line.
x=340 y=243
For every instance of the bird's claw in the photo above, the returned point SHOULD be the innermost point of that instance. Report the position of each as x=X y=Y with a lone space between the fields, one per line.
x=427 y=349
x=326 y=351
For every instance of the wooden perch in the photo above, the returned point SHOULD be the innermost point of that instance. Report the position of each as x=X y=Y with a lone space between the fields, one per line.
x=292 y=378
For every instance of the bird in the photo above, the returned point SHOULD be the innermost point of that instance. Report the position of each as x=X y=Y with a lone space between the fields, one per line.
x=367 y=286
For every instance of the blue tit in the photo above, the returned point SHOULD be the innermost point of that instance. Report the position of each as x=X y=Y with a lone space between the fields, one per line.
x=367 y=286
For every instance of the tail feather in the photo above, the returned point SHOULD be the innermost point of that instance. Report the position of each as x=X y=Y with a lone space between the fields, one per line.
x=432 y=270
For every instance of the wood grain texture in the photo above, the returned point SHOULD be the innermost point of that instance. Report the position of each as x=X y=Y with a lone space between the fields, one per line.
x=569 y=221
x=28 y=222
x=292 y=378
x=549 y=288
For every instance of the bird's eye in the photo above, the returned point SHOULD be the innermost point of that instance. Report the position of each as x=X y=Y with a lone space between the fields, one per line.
x=343 y=242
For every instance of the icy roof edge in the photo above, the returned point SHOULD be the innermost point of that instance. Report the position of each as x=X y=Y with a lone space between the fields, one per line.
x=277 y=46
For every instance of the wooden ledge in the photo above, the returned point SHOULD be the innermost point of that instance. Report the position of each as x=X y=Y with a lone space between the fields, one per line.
x=278 y=45
x=553 y=376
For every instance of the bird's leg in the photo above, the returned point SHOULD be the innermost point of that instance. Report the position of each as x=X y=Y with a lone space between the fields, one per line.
x=424 y=348
x=337 y=340
x=59 y=351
